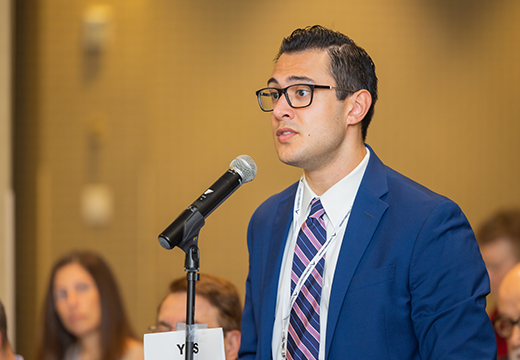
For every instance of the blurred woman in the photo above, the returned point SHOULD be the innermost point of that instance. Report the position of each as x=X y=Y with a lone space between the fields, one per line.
x=84 y=317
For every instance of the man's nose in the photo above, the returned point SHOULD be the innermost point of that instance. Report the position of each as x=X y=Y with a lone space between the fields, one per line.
x=282 y=108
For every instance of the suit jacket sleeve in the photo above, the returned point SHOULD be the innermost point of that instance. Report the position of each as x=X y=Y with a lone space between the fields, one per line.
x=448 y=285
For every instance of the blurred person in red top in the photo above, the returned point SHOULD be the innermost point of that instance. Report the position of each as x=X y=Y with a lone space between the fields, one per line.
x=499 y=240
x=508 y=319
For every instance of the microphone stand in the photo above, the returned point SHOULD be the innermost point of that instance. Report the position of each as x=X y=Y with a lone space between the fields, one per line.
x=189 y=244
x=191 y=265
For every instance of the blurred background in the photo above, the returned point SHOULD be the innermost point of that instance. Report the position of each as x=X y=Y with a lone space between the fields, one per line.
x=117 y=114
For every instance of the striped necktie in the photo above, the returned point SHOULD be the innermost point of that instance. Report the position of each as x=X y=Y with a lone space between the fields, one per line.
x=303 y=339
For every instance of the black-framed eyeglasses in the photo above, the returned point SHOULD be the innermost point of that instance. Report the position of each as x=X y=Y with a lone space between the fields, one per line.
x=298 y=95
x=504 y=326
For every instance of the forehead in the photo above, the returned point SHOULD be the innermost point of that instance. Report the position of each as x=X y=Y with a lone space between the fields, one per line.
x=174 y=305
x=312 y=66
x=72 y=272
x=173 y=309
x=509 y=306
x=499 y=250
x=509 y=294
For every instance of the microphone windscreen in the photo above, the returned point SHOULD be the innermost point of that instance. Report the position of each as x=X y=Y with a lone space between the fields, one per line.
x=245 y=167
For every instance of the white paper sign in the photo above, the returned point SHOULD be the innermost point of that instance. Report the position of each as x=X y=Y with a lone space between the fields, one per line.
x=208 y=345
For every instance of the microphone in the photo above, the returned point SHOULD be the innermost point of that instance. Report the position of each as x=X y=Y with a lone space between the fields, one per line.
x=187 y=225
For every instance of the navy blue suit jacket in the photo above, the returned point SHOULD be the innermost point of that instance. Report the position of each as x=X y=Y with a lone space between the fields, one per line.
x=410 y=282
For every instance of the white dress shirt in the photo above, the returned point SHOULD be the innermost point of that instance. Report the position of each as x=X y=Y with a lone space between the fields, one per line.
x=337 y=202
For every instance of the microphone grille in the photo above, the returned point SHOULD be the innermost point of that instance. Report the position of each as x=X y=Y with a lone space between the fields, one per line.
x=245 y=167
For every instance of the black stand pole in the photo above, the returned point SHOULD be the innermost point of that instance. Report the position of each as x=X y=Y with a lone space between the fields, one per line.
x=191 y=265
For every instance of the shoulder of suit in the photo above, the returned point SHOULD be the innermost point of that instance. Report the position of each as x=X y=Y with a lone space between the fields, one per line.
x=274 y=200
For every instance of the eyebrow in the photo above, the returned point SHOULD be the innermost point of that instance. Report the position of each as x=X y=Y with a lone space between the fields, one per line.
x=165 y=324
x=291 y=78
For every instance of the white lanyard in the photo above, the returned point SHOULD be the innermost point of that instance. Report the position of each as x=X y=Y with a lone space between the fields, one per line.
x=310 y=267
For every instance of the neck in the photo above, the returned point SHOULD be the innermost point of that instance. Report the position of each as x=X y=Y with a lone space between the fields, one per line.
x=90 y=346
x=324 y=178
x=6 y=353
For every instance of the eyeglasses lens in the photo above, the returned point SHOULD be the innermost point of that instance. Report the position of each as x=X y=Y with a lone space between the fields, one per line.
x=298 y=96
x=504 y=327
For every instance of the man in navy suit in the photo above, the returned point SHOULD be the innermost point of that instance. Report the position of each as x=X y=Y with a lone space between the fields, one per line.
x=403 y=277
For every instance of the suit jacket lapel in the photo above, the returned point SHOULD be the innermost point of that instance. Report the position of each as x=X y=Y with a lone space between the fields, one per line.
x=283 y=216
x=366 y=213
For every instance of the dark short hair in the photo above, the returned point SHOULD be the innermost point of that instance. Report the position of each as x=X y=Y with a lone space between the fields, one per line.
x=3 y=324
x=505 y=224
x=221 y=293
x=115 y=327
x=350 y=65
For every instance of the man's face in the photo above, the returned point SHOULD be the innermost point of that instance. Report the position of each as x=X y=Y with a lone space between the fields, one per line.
x=311 y=138
x=509 y=308
x=173 y=310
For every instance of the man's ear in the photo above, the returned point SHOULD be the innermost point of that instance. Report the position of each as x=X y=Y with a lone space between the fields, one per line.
x=232 y=344
x=359 y=104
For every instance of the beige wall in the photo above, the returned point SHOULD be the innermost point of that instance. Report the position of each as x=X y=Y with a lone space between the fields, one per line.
x=170 y=102
x=6 y=194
